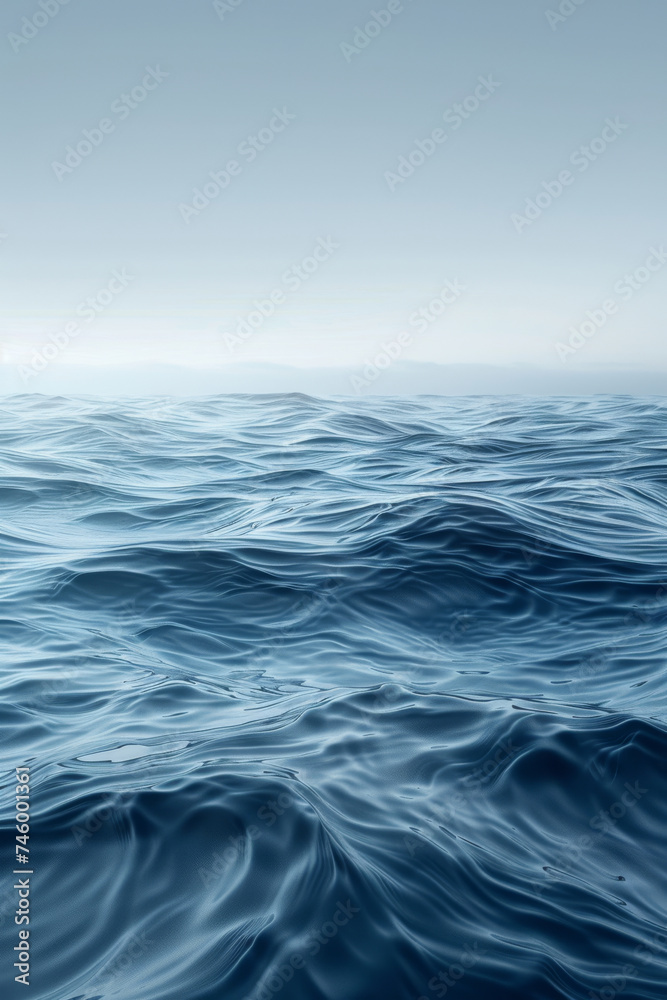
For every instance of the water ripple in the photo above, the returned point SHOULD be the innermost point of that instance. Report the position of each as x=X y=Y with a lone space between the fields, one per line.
x=332 y=698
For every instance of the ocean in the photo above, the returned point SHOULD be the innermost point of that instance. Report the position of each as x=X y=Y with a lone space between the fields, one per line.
x=334 y=699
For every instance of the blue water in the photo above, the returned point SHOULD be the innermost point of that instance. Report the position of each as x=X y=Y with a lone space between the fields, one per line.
x=336 y=700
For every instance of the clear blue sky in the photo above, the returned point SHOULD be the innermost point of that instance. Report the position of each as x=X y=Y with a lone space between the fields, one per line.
x=328 y=178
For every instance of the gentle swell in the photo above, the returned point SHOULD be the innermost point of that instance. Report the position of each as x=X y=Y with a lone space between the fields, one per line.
x=335 y=699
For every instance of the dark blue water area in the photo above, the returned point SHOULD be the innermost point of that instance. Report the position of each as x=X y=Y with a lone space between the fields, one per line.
x=336 y=699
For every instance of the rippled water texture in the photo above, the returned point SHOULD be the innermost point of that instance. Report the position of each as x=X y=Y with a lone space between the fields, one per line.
x=336 y=700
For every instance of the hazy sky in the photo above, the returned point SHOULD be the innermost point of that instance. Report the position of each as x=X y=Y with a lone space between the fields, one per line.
x=314 y=117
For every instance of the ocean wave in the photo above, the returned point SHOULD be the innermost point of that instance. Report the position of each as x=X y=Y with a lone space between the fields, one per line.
x=337 y=698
